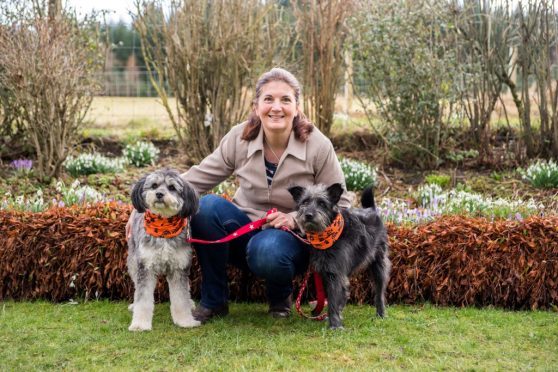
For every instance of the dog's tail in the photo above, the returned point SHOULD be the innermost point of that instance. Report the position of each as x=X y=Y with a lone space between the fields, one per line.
x=367 y=198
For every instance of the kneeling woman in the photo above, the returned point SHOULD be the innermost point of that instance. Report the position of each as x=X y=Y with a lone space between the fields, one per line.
x=275 y=148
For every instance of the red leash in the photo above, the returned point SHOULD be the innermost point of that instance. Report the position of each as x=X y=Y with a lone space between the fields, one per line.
x=321 y=299
x=249 y=227
x=320 y=293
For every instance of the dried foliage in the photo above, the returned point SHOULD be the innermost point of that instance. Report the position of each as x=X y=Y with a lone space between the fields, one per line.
x=206 y=54
x=81 y=253
x=47 y=70
x=476 y=262
x=322 y=31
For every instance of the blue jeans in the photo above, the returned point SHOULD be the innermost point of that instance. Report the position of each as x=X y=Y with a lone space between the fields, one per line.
x=275 y=255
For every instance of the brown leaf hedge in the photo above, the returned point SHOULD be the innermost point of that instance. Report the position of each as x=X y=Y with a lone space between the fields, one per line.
x=66 y=253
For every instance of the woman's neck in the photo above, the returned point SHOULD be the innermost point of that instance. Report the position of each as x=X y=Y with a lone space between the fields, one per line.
x=277 y=141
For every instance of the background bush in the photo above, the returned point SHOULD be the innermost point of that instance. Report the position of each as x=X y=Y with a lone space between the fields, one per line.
x=85 y=164
x=141 y=154
x=358 y=175
x=542 y=173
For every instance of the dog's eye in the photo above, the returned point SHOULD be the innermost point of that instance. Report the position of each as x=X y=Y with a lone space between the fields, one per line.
x=322 y=204
x=154 y=186
x=172 y=188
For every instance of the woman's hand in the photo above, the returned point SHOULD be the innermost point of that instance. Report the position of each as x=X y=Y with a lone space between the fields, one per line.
x=279 y=219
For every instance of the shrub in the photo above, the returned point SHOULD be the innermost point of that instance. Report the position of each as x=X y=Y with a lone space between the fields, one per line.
x=442 y=180
x=405 y=57
x=358 y=175
x=75 y=194
x=460 y=155
x=22 y=166
x=461 y=202
x=85 y=164
x=542 y=174
x=400 y=212
x=226 y=188
x=35 y=203
x=429 y=194
x=49 y=72
x=141 y=153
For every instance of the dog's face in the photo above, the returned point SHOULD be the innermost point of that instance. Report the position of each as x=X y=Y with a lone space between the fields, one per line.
x=316 y=206
x=165 y=193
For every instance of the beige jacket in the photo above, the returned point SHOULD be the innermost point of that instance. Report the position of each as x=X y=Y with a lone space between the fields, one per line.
x=301 y=164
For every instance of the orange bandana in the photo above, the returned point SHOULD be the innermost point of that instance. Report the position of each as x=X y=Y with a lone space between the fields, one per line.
x=162 y=227
x=325 y=239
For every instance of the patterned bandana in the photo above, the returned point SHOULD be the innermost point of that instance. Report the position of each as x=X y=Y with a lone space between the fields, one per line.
x=325 y=239
x=162 y=227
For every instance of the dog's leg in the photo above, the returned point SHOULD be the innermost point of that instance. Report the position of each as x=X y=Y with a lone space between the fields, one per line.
x=143 y=300
x=181 y=303
x=337 y=288
x=379 y=271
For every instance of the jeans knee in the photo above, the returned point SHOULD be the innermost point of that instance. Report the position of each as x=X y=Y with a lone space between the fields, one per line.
x=270 y=258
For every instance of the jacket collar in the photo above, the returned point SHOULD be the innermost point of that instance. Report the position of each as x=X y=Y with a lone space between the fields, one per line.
x=294 y=148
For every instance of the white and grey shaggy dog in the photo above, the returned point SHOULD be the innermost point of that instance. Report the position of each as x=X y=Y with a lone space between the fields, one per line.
x=165 y=194
x=362 y=244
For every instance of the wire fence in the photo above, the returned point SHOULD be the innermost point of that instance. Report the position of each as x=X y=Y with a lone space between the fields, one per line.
x=127 y=83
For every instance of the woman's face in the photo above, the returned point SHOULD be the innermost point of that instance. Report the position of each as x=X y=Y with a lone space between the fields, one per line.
x=276 y=107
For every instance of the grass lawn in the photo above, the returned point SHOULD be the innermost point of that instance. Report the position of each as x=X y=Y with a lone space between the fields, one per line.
x=94 y=336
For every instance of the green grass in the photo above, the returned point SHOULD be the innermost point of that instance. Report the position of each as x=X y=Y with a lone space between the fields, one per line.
x=94 y=336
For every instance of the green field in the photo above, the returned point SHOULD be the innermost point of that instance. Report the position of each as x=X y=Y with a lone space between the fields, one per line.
x=94 y=336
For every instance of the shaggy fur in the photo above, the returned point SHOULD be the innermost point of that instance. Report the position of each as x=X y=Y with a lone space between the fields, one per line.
x=362 y=245
x=164 y=193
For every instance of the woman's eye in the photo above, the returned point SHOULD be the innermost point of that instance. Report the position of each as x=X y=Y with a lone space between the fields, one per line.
x=172 y=188
x=268 y=99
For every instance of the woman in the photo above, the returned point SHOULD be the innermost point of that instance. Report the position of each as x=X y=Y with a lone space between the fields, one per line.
x=275 y=148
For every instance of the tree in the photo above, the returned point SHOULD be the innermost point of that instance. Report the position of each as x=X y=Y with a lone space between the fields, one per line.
x=322 y=31
x=483 y=42
x=206 y=54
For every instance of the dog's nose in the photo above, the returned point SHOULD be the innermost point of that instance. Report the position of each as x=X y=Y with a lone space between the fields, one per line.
x=308 y=216
x=159 y=195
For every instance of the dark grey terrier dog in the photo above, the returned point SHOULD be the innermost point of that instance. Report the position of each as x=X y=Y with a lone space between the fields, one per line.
x=362 y=244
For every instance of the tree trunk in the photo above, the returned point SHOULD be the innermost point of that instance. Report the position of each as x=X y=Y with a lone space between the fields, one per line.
x=54 y=9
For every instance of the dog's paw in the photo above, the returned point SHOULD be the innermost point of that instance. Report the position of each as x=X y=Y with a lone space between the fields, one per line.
x=131 y=307
x=336 y=327
x=188 y=323
x=139 y=327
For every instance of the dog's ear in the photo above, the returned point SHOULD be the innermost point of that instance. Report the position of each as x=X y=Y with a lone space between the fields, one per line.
x=190 y=200
x=137 y=197
x=296 y=192
x=334 y=192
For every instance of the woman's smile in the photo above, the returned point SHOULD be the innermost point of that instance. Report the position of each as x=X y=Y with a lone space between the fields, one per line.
x=277 y=107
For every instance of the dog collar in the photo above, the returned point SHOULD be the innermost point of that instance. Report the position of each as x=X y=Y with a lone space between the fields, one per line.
x=162 y=227
x=325 y=239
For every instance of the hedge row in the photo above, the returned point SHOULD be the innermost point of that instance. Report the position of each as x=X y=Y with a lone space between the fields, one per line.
x=81 y=253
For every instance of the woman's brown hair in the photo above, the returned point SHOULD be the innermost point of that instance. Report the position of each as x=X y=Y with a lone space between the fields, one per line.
x=302 y=127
